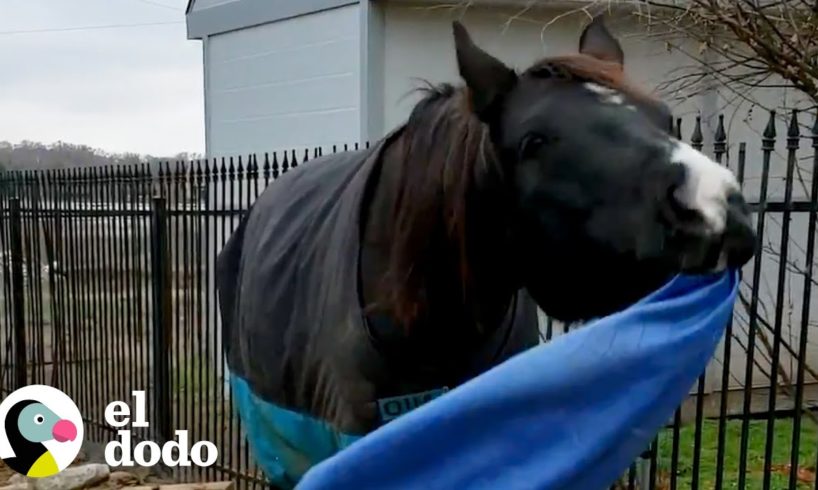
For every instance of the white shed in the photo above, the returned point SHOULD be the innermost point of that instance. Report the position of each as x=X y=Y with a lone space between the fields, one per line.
x=293 y=73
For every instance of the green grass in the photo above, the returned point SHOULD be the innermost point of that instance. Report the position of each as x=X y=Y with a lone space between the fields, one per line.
x=755 y=455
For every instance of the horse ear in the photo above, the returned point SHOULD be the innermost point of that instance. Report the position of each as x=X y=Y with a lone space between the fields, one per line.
x=598 y=42
x=487 y=78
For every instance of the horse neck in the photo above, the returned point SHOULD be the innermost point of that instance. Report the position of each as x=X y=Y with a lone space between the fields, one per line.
x=478 y=309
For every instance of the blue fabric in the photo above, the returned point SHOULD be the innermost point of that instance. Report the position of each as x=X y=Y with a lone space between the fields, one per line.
x=570 y=414
x=284 y=443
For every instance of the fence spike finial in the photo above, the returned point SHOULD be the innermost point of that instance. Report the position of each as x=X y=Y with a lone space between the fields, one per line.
x=721 y=135
x=266 y=168
x=697 y=139
x=206 y=170
x=211 y=169
x=720 y=139
x=769 y=131
x=793 y=131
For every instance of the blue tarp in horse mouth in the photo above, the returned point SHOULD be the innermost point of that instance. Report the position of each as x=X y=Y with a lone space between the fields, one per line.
x=570 y=414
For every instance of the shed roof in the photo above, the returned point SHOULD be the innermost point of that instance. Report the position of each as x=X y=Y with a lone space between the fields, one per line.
x=209 y=17
x=205 y=18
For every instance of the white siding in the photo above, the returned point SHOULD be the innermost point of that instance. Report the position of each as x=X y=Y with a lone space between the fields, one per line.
x=411 y=55
x=287 y=84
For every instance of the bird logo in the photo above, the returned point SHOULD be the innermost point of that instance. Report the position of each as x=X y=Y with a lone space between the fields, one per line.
x=42 y=429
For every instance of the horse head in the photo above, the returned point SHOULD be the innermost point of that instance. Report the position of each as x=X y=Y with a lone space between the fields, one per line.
x=604 y=202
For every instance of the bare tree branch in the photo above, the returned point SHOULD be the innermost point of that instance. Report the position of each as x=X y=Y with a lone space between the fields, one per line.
x=757 y=38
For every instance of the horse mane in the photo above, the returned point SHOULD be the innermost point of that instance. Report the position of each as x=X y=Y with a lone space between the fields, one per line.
x=441 y=144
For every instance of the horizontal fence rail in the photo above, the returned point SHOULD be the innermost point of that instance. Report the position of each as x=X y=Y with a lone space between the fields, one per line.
x=107 y=277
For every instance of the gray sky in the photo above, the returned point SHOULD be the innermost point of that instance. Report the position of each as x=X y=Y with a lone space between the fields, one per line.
x=119 y=89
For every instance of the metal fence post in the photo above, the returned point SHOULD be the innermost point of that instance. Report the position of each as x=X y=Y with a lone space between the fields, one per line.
x=161 y=318
x=18 y=298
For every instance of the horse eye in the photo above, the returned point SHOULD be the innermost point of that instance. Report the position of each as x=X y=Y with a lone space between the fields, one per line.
x=39 y=419
x=530 y=145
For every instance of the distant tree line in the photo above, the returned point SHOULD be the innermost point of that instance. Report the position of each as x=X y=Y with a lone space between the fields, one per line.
x=30 y=155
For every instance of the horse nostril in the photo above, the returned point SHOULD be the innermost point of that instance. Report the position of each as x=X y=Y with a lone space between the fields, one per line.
x=736 y=202
x=732 y=244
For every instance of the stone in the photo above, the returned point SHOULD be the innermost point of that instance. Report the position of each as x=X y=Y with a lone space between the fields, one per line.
x=18 y=482
x=18 y=486
x=18 y=478
x=123 y=478
x=74 y=477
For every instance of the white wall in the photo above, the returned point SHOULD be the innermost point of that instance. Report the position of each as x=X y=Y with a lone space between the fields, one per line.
x=285 y=84
x=419 y=45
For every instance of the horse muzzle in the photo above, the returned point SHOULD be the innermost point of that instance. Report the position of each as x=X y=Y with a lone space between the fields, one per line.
x=732 y=247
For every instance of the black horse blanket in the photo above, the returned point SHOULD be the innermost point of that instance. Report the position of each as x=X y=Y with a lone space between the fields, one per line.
x=306 y=375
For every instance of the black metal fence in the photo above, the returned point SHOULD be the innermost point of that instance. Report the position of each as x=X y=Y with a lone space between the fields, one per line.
x=107 y=288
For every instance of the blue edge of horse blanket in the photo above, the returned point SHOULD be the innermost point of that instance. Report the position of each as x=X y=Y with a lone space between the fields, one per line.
x=570 y=414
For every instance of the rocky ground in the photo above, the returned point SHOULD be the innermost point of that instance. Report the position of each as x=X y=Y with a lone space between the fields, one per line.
x=89 y=472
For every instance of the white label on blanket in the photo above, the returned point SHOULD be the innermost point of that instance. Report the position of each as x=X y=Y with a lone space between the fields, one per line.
x=394 y=407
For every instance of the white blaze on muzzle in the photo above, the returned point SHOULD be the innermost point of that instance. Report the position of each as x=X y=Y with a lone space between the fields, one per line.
x=706 y=187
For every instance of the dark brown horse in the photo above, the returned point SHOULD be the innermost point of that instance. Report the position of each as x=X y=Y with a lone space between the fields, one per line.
x=363 y=284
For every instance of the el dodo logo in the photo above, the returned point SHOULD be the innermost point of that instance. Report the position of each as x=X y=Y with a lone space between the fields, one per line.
x=41 y=431
x=148 y=453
